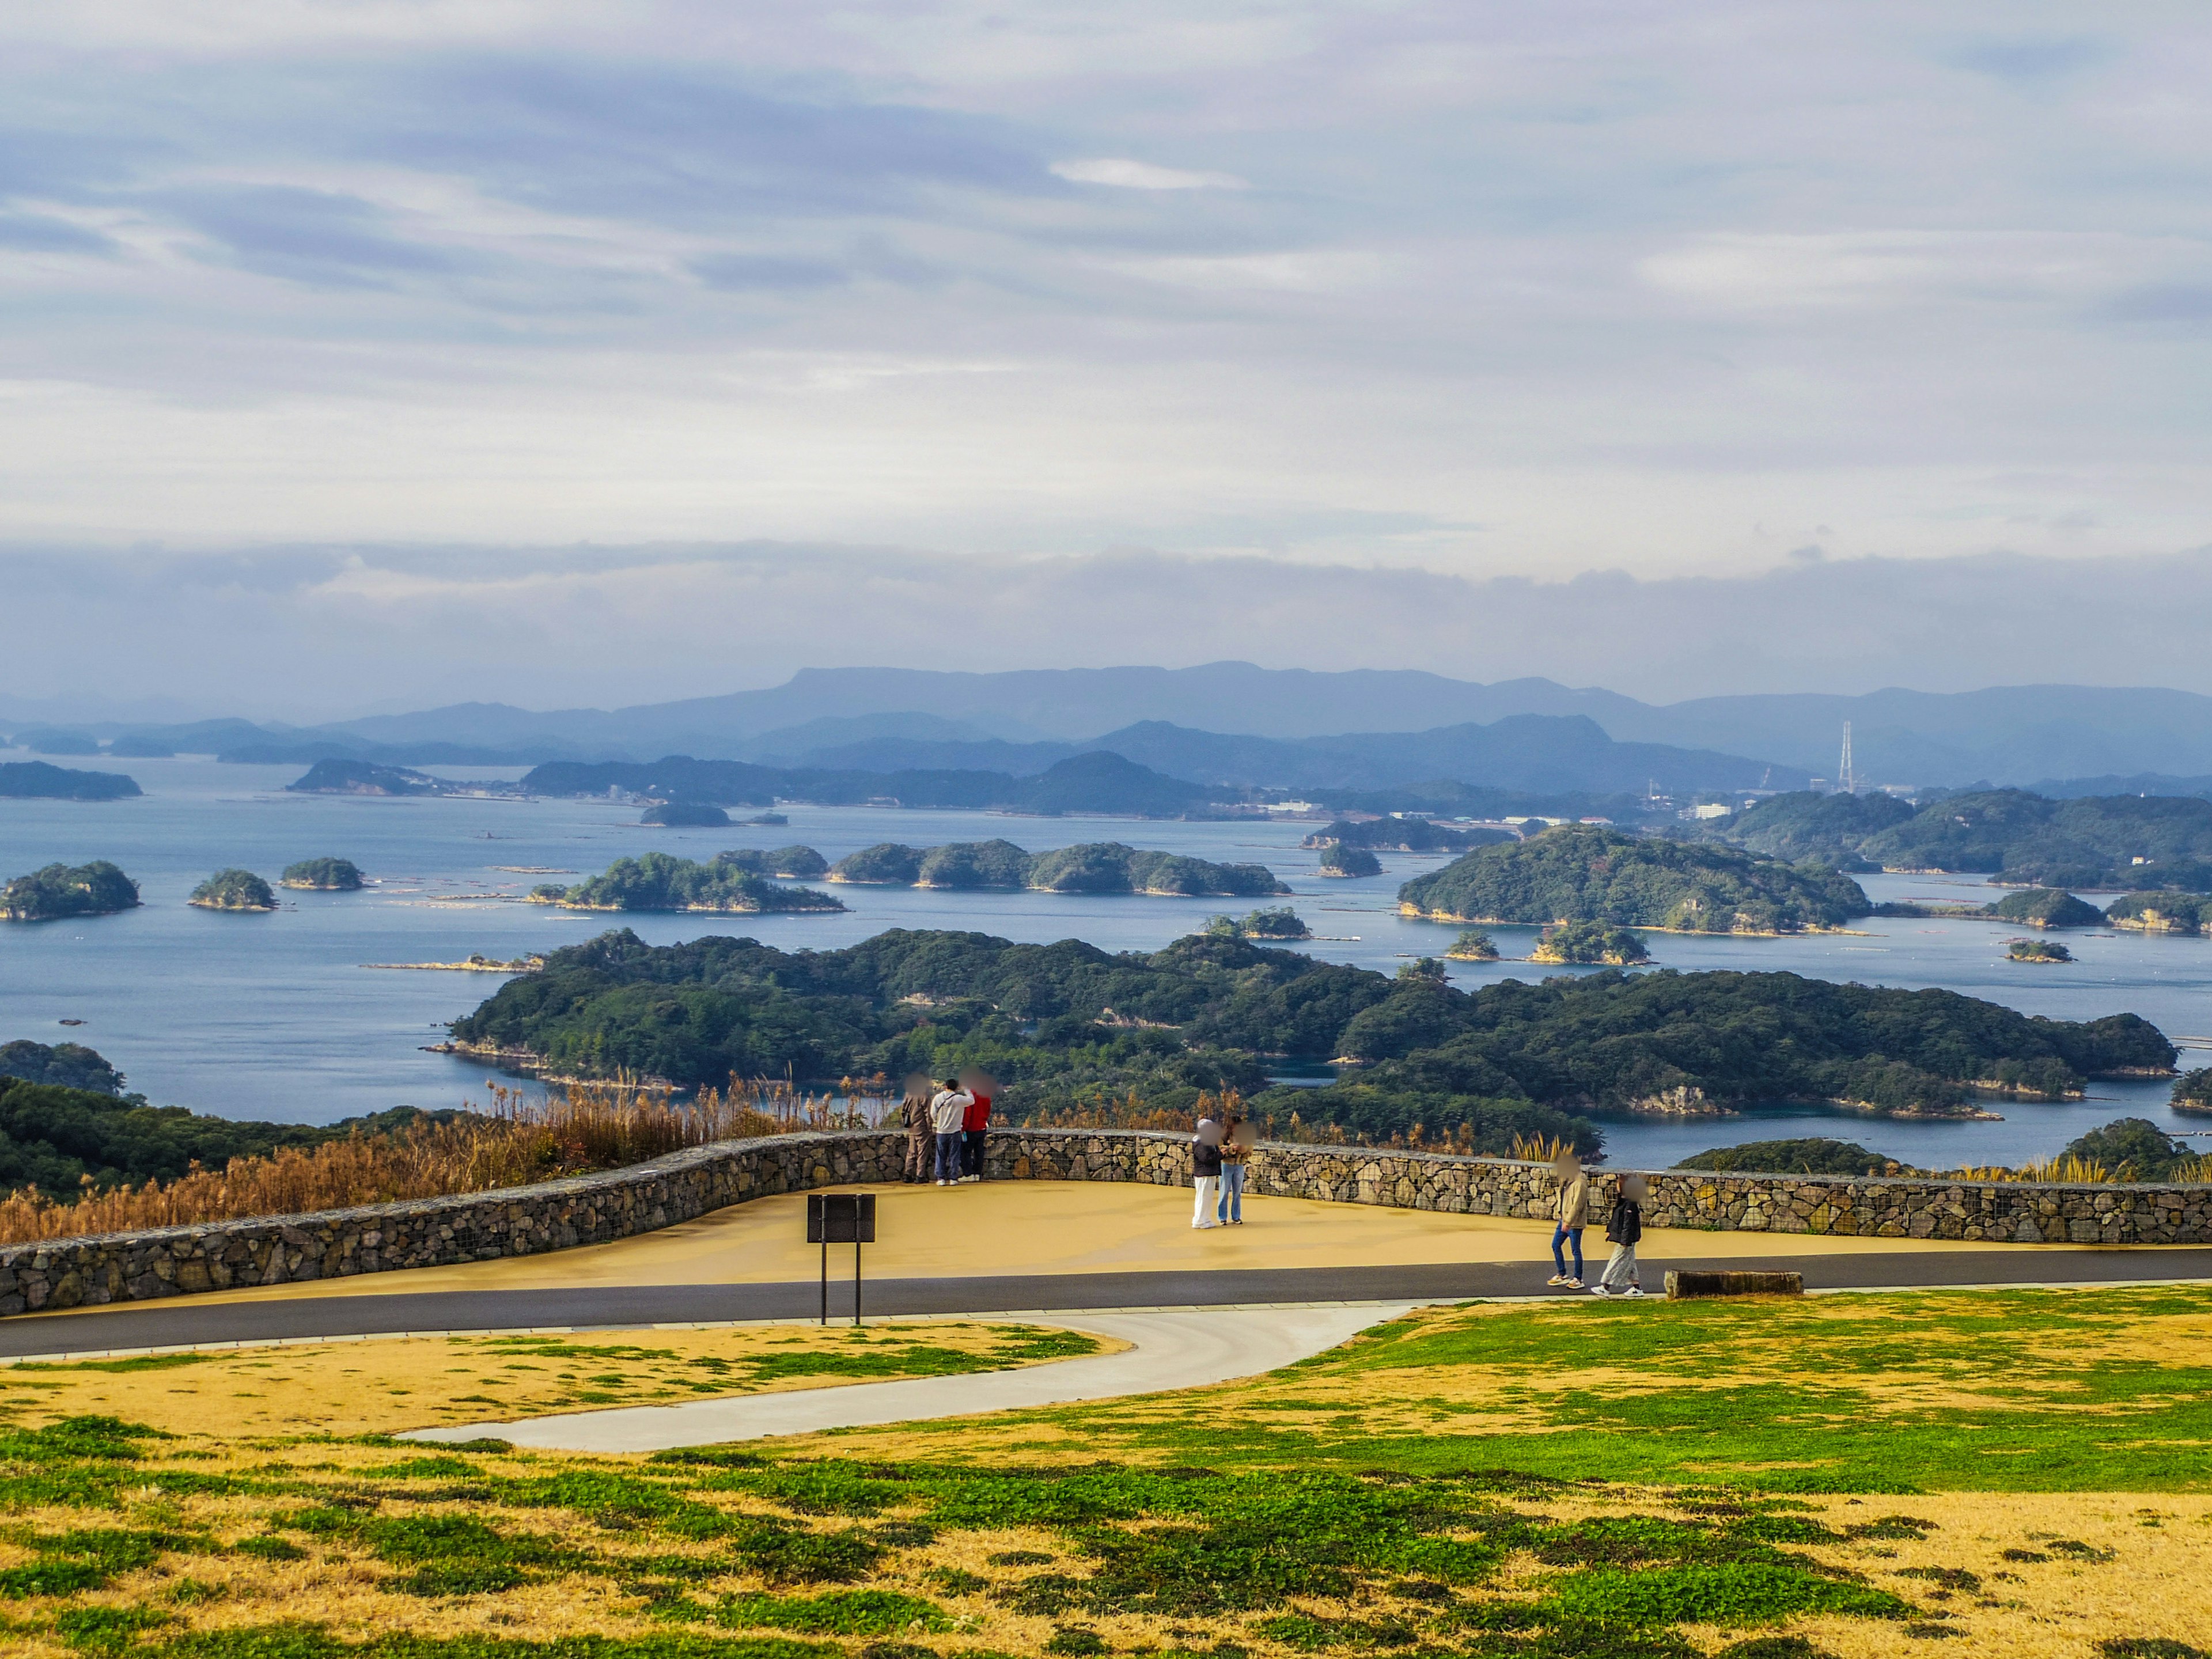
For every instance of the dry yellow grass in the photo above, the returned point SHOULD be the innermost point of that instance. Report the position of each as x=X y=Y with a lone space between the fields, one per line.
x=394 y=1384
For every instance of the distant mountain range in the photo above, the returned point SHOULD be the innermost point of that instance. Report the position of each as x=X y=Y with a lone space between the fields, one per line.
x=1233 y=723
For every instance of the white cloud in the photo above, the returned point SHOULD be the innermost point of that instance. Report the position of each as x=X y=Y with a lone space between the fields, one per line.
x=1125 y=174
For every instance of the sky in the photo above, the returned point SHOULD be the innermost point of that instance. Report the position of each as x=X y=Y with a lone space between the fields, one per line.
x=360 y=349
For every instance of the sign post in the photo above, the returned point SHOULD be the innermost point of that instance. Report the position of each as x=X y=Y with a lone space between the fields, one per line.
x=841 y=1218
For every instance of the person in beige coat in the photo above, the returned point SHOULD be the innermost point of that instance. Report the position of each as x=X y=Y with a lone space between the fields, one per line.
x=1571 y=1210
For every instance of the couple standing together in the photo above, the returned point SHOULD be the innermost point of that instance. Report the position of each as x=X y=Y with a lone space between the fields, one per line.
x=1624 y=1229
x=954 y=1121
x=1218 y=1154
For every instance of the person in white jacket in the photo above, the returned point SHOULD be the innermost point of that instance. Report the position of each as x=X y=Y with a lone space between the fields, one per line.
x=948 y=1113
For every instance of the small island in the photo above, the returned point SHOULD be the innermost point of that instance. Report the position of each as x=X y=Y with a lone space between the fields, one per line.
x=1589 y=943
x=1336 y=859
x=657 y=881
x=360 y=777
x=2164 y=912
x=1105 y=866
x=1280 y=922
x=323 y=876
x=2037 y=950
x=684 y=814
x=233 y=889
x=786 y=863
x=97 y=889
x=2192 y=1091
x=2044 y=907
x=473 y=963
x=37 y=780
x=1473 y=946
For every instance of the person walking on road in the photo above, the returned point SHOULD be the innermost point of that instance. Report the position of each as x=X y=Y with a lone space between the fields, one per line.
x=1237 y=1142
x=948 y=1110
x=974 y=1126
x=921 y=1130
x=1206 y=1171
x=1624 y=1228
x=1571 y=1209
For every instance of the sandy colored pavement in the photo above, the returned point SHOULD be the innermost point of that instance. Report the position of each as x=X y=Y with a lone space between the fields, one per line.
x=1030 y=1227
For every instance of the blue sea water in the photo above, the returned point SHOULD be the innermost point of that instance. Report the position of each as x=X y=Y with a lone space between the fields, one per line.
x=274 y=1016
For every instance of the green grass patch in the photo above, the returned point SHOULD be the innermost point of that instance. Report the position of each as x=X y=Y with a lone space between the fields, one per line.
x=1716 y=1593
x=837 y=1612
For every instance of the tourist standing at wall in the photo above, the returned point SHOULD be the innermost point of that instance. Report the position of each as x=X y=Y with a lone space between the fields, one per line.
x=975 y=1126
x=1237 y=1143
x=1572 y=1207
x=1624 y=1228
x=921 y=1129
x=1206 y=1171
x=948 y=1110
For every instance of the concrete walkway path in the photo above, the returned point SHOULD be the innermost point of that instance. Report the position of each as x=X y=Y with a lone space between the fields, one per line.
x=1185 y=1349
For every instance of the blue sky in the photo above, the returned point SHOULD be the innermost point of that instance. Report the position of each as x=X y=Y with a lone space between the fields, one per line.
x=1479 y=290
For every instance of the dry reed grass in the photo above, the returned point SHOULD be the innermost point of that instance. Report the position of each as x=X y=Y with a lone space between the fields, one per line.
x=577 y=1127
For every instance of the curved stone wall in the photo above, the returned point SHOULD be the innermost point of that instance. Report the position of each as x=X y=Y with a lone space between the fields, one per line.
x=595 y=1209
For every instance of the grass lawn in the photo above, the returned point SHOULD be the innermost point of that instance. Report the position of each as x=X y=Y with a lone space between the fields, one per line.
x=2019 y=1473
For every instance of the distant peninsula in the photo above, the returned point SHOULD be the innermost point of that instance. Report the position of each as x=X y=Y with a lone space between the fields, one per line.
x=1577 y=873
x=1091 y=867
x=233 y=889
x=97 y=889
x=37 y=780
x=657 y=881
x=359 y=777
x=323 y=875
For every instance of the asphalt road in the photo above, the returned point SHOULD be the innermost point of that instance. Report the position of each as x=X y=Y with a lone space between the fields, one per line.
x=185 y=1321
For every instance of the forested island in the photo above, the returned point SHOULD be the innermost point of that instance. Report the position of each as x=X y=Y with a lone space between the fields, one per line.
x=2046 y=906
x=2192 y=1091
x=728 y=883
x=1473 y=946
x=233 y=889
x=2038 y=950
x=323 y=876
x=1398 y=835
x=1280 y=922
x=684 y=814
x=1093 y=867
x=1578 y=872
x=97 y=889
x=360 y=777
x=66 y=1065
x=2161 y=913
x=37 y=780
x=1590 y=944
x=1348 y=862
x=2014 y=836
x=1068 y=1023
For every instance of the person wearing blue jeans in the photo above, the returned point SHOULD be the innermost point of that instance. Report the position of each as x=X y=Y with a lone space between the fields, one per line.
x=948 y=1112
x=1572 y=1210
x=1235 y=1144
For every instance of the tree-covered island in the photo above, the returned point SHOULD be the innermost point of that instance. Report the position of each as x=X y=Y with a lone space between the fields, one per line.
x=2037 y=950
x=1590 y=944
x=684 y=814
x=2161 y=913
x=1277 y=922
x=1070 y=1024
x=1578 y=872
x=1339 y=860
x=2044 y=907
x=97 y=889
x=1472 y=945
x=323 y=876
x=726 y=883
x=1093 y=867
x=37 y=780
x=233 y=889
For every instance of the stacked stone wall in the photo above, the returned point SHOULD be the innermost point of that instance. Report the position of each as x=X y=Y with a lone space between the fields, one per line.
x=597 y=1209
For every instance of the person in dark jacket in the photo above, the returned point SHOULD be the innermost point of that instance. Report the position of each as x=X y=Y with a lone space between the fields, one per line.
x=1624 y=1229
x=1206 y=1171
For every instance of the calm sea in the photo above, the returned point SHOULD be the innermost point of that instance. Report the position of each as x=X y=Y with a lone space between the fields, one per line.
x=275 y=1016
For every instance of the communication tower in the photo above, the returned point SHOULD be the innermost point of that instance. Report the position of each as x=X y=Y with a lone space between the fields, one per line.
x=1846 y=782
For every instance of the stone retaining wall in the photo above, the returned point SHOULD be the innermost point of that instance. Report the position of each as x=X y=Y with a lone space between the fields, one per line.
x=619 y=1203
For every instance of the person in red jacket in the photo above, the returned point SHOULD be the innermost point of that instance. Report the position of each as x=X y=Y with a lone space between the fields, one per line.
x=975 y=1123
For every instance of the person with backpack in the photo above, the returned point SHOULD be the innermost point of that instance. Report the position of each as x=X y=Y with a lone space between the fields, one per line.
x=1206 y=1171
x=948 y=1110
x=1570 y=1207
x=1624 y=1229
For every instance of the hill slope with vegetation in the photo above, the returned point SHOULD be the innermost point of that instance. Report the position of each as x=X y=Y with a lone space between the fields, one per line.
x=2027 y=840
x=1577 y=872
x=1803 y=827
x=1069 y=1024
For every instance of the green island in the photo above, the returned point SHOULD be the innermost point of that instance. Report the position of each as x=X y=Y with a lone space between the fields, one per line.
x=2128 y=1149
x=2192 y=1091
x=323 y=875
x=1068 y=1024
x=2165 y=911
x=1278 y=922
x=233 y=889
x=67 y=1064
x=97 y=889
x=735 y=883
x=684 y=814
x=1398 y=835
x=2044 y=907
x=360 y=777
x=1336 y=859
x=1579 y=872
x=2013 y=835
x=1590 y=944
x=38 y=781
x=2037 y=950
x=1093 y=867
x=1472 y=945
